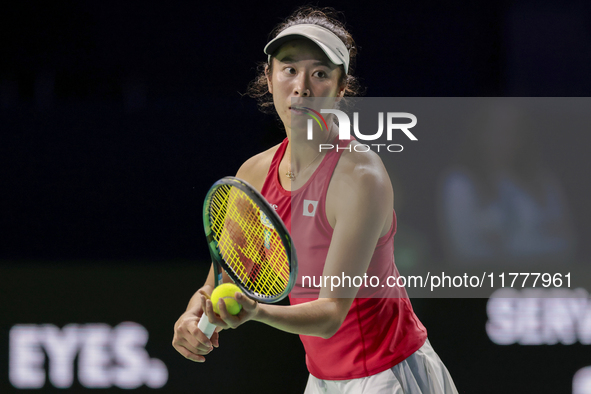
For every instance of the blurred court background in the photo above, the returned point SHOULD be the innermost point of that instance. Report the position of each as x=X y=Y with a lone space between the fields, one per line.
x=116 y=118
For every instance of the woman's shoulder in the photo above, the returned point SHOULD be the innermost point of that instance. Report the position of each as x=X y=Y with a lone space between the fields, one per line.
x=360 y=184
x=255 y=169
x=362 y=168
x=361 y=163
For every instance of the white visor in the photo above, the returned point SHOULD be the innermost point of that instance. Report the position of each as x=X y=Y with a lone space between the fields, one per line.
x=329 y=42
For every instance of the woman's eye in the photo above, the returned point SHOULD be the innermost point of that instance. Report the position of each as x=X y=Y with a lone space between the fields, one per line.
x=320 y=74
x=290 y=70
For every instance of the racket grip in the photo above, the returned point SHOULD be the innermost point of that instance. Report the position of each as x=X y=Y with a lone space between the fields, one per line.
x=205 y=326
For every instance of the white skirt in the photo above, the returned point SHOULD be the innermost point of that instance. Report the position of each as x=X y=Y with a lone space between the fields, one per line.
x=422 y=372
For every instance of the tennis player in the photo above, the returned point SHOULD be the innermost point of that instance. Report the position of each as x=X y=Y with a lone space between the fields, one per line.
x=346 y=224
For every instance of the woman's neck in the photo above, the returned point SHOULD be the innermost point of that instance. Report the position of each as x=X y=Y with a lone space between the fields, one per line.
x=302 y=156
x=301 y=151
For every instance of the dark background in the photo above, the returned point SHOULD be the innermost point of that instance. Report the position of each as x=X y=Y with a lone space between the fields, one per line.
x=116 y=118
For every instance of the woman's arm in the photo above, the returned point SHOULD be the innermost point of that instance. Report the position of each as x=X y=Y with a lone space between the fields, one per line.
x=188 y=340
x=362 y=200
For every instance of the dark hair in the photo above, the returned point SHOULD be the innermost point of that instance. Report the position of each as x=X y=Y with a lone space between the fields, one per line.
x=326 y=17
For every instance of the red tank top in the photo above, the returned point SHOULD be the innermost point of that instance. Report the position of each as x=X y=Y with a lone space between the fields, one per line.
x=377 y=333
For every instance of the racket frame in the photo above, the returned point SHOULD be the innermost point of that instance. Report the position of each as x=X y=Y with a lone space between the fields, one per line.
x=265 y=207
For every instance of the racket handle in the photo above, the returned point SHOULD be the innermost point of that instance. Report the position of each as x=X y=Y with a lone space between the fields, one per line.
x=205 y=326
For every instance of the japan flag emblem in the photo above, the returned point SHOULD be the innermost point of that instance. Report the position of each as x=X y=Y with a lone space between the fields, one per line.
x=310 y=207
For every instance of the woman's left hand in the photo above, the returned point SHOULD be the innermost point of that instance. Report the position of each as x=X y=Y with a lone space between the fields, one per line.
x=225 y=320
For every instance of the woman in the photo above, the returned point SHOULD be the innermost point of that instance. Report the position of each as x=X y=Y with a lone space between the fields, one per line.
x=373 y=345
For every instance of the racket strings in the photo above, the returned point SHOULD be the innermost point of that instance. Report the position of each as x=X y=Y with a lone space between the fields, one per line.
x=248 y=242
x=251 y=258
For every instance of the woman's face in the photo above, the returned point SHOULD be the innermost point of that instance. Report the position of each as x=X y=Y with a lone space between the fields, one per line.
x=300 y=70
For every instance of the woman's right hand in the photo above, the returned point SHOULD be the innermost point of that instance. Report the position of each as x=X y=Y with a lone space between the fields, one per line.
x=188 y=340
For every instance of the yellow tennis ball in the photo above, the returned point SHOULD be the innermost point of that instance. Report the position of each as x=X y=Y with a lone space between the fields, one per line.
x=226 y=292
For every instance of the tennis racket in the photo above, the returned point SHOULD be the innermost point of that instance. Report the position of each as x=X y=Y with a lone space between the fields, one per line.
x=249 y=241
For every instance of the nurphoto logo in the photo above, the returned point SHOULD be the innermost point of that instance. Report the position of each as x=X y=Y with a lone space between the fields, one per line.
x=345 y=128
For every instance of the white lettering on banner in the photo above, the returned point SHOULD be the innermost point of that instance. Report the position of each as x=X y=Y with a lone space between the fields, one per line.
x=61 y=347
x=26 y=358
x=106 y=356
x=94 y=357
x=582 y=381
x=539 y=317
